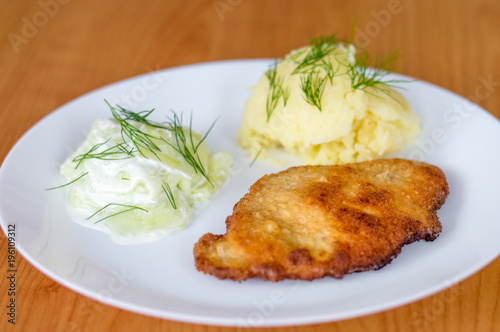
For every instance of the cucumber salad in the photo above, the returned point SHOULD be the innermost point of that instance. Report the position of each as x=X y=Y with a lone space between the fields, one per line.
x=137 y=179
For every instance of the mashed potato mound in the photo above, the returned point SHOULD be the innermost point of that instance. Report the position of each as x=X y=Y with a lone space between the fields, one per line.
x=353 y=124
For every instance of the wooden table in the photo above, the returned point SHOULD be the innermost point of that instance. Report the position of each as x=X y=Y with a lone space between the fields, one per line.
x=53 y=51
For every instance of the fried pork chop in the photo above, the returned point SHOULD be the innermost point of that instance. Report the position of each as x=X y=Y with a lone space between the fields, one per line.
x=309 y=222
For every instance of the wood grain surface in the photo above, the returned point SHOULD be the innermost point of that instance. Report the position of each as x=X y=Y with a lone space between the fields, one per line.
x=52 y=51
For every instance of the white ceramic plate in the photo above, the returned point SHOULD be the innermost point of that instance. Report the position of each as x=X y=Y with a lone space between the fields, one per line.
x=160 y=279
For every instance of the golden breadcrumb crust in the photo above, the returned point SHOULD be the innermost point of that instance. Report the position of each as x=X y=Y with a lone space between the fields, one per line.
x=309 y=222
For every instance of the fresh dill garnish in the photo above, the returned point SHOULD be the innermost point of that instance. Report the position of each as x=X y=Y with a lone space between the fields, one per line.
x=256 y=156
x=128 y=208
x=137 y=137
x=116 y=152
x=170 y=195
x=328 y=40
x=329 y=70
x=141 y=117
x=313 y=86
x=369 y=74
x=186 y=148
x=67 y=184
x=315 y=66
x=319 y=48
x=135 y=140
x=276 y=90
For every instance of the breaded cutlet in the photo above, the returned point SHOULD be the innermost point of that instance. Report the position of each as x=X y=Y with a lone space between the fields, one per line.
x=309 y=222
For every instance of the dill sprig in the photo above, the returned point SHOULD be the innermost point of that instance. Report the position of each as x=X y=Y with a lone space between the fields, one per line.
x=117 y=152
x=329 y=70
x=170 y=195
x=369 y=74
x=134 y=140
x=308 y=61
x=70 y=182
x=321 y=40
x=319 y=48
x=315 y=67
x=137 y=137
x=256 y=156
x=313 y=86
x=185 y=147
x=276 y=90
x=127 y=209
